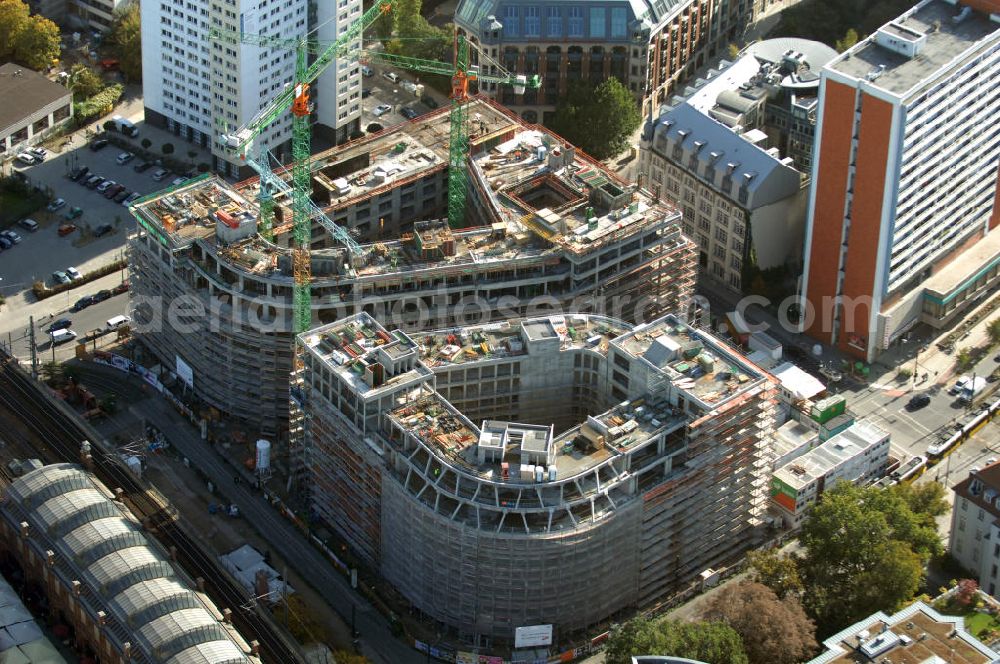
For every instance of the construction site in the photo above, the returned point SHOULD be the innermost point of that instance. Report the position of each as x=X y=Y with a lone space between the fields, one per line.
x=545 y=229
x=486 y=470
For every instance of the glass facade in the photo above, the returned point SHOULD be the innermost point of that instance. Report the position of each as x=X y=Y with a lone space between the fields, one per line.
x=532 y=22
x=575 y=22
x=553 y=22
x=511 y=21
x=618 y=20
x=597 y=22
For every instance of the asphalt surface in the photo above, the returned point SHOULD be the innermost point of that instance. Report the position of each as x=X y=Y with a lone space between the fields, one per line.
x=376 y=641
x=383 y=91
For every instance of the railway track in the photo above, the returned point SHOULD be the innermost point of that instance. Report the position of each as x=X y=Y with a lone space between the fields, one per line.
x=21 y=396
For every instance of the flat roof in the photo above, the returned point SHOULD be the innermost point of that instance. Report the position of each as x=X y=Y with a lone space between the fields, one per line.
x=915 y=635
x=699 y=364
x=25 y=92
x=945 y=41
x=964 y=268
x=792 y=435
x=802 y=384
x=803 y=470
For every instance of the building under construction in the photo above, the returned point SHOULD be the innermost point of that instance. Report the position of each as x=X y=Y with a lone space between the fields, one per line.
x=551 y=470
x=548 y=228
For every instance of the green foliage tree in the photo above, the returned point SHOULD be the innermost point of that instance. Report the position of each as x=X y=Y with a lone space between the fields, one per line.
x=777 y=572
x=598 y=119
x=30 y=40
x=993 y=331
x=126 y=41
x=99 y=104
x=864 y=552
x=849 y=40
x=85 y=81
x=703 y=641
x=146 y=143
x=773 y=630
x=964 y=359
x=168 y=148
x=412 y=35
x=829 y=22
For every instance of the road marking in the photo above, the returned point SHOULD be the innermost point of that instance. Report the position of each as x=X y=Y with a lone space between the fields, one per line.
x=902 y=412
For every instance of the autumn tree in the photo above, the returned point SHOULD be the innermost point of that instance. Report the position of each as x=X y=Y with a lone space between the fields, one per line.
x=126 y=40
x=773 y=630
x=84 y=81
x=966 y=592
x=778 y=572
x=29 y=40
x=702 y=641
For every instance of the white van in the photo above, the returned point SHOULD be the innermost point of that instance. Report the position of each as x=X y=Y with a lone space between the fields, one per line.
x=390 y=76
x=62 y=336
x=116 y=322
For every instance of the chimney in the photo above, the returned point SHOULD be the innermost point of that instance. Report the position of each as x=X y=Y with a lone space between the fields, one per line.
x=227 y=616
x=77 y=588
x=127 y=651
x=173 y=553
x=50 y=557
x=102 y=618
x=119 y=494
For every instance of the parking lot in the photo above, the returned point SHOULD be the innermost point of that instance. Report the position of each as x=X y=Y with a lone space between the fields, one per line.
x=44 y=251
x=384 y=91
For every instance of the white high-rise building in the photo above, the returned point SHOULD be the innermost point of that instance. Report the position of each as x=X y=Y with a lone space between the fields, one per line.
x=197 y=88
x=338 y=93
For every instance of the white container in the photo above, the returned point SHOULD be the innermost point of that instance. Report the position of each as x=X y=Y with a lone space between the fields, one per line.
x=539 y=474
x=552 y=473
x=263 y=455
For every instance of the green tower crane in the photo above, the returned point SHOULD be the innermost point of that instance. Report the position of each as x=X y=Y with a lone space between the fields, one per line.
x=297 y=98
x=461 y=73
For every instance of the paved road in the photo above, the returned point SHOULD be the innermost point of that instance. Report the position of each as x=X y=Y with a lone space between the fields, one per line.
x=377 y=642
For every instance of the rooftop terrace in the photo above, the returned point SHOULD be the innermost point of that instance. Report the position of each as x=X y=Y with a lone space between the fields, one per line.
x=507 y=339
x=695 y=362
x=886 y=58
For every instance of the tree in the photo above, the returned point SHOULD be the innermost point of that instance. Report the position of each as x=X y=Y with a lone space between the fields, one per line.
x=993 y=331
x=598 y=119
x=85 y=81
x=773 y=630
x=30 y=40
x=966 y=593
x=849 y=40
x=14 y=18
x=703 y=641
x=126 y=41
x=168 y=148
x=864 y=552
x=926 y=500
x=777 y=572
x=53 y=374
x=203 y=167
x=964 y=359
x=146 y=143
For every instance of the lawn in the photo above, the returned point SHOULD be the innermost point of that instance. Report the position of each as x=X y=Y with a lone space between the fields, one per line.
x=14 y=206
x=978 y=623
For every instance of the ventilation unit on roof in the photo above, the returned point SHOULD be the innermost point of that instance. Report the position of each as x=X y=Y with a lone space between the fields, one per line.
x=714 y=155
x=731 y=166
x=875 y=72
x=698 y=145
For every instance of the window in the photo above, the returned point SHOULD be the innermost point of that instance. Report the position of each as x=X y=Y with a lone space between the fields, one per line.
x=511 y=23
x=980 y=515
x=553 y=22
x=597 y=22
x=961 y=524
x=532 y=22
x=618 y=23
x=965 y=506
x=575 y=22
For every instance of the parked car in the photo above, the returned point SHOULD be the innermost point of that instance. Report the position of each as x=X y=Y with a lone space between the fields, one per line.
x=104 y=186
x=80 y=173
x=142 y=167
x=134 y=196
x=12 y=236
x=366 y=93
x=124 y=158
x=429 y=101
x=390 y=76
x=960 y=385
x=917 y=402
x=5 y=243
x=73 y=213
x=60 y=324
x=93 y=182
x=56 y=205
x=103 y=230
x=98 y=144
x=102 y=295
x=39 y=152
x=82 y=303
x=408 y=113
x=121 y=195
x=66 y=229
x=29 y=225
x=381 y=110
x=62 y=336
x=60 y=277
x=73 y=273
x=159 y=174
x=366 y=71
x=114 y=191
x=27 y=158
x=120 y=288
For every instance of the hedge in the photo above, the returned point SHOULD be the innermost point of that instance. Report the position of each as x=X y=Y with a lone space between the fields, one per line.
x=99 y=104
x=42 y=292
